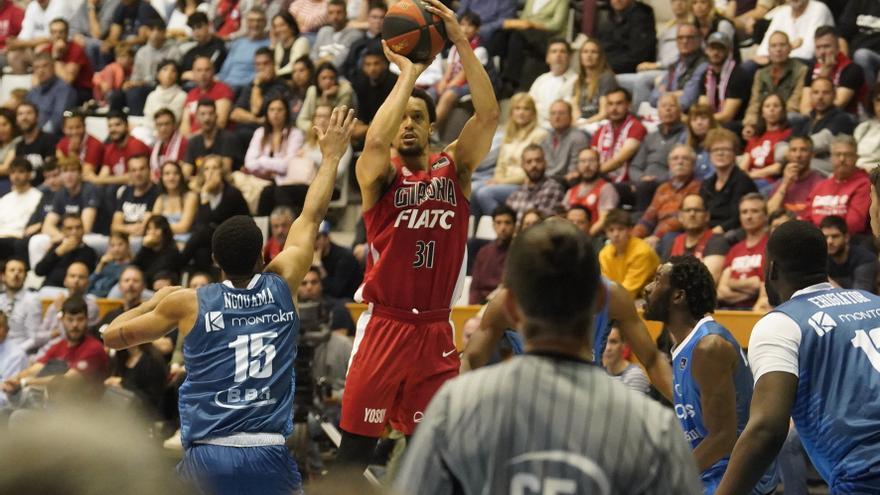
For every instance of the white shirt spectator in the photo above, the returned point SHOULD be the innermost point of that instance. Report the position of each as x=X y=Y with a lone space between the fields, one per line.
x=12 y=361
x=16 y=209
x=429 y=77
x=546 y=89
x=23 y=311
x=804 y=28
x=35 y=23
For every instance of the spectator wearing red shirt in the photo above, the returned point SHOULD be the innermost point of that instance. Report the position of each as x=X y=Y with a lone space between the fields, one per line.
x=743 y=274
x=71 y=63
x=618 y=140
x=11 y=16
x=77 y=144
x=206 y=87
x=489 y=264
x=120 y=146
x=592 y=191
x=798 y=179
x=82 y=354
x=280 y=221
x=772 y=127
x=847 y=193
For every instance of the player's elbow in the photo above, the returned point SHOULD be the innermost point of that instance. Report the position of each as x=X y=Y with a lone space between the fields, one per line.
x=490 y=116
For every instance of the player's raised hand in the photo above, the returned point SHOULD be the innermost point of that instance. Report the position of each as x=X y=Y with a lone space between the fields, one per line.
x=406 y=65
x=453 y=28
x=335 y=138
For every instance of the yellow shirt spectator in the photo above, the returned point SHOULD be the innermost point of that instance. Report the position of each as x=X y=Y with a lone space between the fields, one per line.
x=626 y=259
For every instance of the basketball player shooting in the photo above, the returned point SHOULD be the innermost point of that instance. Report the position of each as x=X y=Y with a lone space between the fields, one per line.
x=236 y=405
x=415 y=208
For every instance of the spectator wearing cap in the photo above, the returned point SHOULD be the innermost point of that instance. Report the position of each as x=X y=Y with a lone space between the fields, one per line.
x=207 y=45
x=725 y=85
x=340 y=272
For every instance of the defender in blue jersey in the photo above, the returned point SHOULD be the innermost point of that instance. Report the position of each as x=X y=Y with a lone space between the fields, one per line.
x=613 y=303
x=236 y=405
x=816 y=358
x=711 y=378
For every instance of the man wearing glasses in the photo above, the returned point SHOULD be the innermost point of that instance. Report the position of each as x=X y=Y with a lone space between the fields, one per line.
x=682 y=79
x=697 y=239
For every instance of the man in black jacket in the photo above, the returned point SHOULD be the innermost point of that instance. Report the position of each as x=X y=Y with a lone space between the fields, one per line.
x=70 y=249
x=627 y=33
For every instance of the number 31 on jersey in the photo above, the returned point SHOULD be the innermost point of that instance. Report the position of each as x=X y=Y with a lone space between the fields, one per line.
x=424 y=254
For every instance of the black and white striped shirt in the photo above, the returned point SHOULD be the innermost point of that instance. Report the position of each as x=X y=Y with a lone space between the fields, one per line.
x=546 y=424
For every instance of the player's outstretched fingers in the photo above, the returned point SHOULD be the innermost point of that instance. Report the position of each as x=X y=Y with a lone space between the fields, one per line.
x=349 y=121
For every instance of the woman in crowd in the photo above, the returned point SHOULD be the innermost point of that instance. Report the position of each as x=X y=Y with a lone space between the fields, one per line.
x=328 y=90
x=167 y=94
x=272 y=149
x=142 y=371
x=302 y=78
x=530 y=218
x=176 y=202
x=520 y=131
x=177 y=26
x=595 y=79
x=159 y=251
x=79 y=145
x=867 y=134
x=701 y=120
x=288 y=45
x=218 y=201
x=772 y=127
x=9 y=138
x=709 y=20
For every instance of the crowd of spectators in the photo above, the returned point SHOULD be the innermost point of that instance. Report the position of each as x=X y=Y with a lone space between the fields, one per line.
x=696 y=135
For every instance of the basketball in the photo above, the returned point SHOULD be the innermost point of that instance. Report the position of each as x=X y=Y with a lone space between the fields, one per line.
x=413 y=32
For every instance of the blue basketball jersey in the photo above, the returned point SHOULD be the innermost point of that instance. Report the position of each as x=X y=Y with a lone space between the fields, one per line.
x=837 y=406
x=601 y=325
x=239 y=361
x=688 y=406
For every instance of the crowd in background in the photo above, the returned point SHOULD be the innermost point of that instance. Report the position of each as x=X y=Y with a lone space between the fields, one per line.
x=695 y=134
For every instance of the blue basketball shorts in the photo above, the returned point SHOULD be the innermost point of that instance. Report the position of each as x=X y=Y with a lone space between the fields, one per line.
x=219 y=470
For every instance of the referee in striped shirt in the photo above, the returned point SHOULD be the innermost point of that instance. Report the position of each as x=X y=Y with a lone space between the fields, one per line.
x=548 y=421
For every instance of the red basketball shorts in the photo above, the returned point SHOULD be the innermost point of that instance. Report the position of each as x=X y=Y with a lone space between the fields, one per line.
x=398 y=362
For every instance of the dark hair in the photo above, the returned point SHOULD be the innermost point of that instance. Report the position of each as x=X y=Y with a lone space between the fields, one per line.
x=429 y=103
x=267 y=126
x=161 y=223
x=174 y=277
x=155 y=23
x=50 y=165
x=18 y=258
x=266 y=52
x=553 y=274
x=117 y=114
x=62 y=21
x=164 y=111
x=9 y=115
x=806 y=139
x=182 y=187
x=21 y=163
x=781 y=213
x=74 y=305
x=288 y=19
x=197 y=19
x=72 y=114
x=472 y=18
x=761 y=126
x=27 y=103
x=315 y=269
x=502 y=210
x=616 y=216
x=338 y=3
x=533 y=147
x=622 y=90
x=691 y=275
x=870 y=97
x=377 y=4
x=305 y=60
x=823 y=78
x=834 y=222
x=166 y=62
x=582 y=208
x=139 y=156
x=824 y=31
x=206 y=102
x=810 y=266
x=237 y=245
x=557 y=40
x=70 y=216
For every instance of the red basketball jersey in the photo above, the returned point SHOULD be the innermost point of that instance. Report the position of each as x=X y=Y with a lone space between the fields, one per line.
x=416 y=239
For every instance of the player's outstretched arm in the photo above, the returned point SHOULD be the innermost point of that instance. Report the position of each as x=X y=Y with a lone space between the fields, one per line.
x=622 y=308
x=373 y=167
x=484 y=341
x=164 y=312
x=714 y=362
x=476 y=137
x=764 y=434
x=294 y=260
